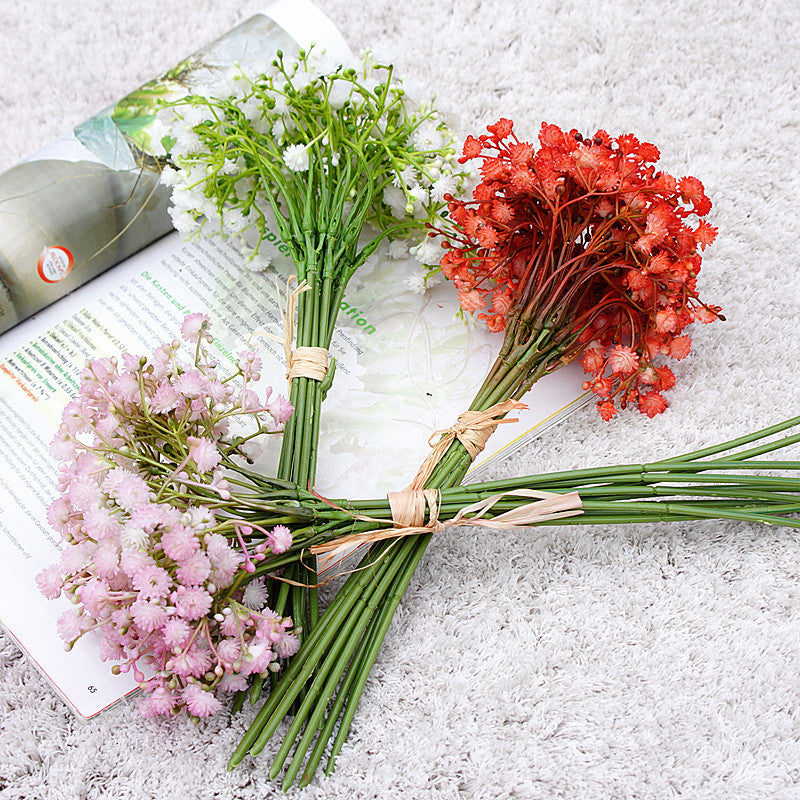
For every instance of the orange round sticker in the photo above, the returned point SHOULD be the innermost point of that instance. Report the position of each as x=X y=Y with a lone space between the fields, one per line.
x=54 y=264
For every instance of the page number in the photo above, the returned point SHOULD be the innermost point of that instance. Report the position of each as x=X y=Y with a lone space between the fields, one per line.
x=92 y=689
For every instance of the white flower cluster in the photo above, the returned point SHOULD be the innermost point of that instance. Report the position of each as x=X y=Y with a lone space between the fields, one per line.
x=246 y=147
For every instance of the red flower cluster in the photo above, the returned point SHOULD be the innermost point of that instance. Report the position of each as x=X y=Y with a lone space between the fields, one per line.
x=585 y=239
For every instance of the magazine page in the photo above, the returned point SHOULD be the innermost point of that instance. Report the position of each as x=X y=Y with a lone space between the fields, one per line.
x=92 y=198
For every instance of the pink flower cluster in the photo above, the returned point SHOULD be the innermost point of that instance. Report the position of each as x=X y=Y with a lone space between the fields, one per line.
x=154 y=558
x=163 y=609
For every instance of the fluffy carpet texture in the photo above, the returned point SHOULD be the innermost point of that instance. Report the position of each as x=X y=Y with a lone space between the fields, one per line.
x=645 y=662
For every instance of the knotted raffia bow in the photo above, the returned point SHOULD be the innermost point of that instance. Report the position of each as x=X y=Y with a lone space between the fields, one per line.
x=472 y=429
x=408 y=507
x=408 y=516
x=302 y=362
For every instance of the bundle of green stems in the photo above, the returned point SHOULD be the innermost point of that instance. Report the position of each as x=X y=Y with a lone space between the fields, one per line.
x=325 y=679
x=326 y=266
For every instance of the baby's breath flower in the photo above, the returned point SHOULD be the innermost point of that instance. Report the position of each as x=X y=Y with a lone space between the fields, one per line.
x=204 y=453
x=149 y=561
x=280 y=538
x=194 y=327
x=396 y=200
x=199 y=702
x=168 y=176
x=415 y=283
x=307 y=116
x=443 y=185
x=340 y=92
x=398 y=249
x=428 y=251
x=295 y=156
x=255 y=595
x=405 y=179
x=258 y=262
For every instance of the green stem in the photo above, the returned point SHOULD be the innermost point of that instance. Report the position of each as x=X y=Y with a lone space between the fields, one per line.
x=738 y=442
x=383 y=618
x=314 y=647
x=354 y=671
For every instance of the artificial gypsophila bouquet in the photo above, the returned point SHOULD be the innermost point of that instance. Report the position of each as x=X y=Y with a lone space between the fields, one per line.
x=148 y=453
x=331 y=161
x=580 y=248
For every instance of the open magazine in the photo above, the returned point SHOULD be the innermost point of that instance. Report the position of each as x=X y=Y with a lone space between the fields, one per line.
x=407 y=365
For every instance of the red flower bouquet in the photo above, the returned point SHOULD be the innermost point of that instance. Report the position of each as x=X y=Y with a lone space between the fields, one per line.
x=580 y=248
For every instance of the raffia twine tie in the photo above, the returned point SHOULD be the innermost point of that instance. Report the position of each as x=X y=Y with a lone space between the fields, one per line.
x=307 y=362
x=472 y=429
x=408 y=516
x=408 y=508
x=302 y=362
